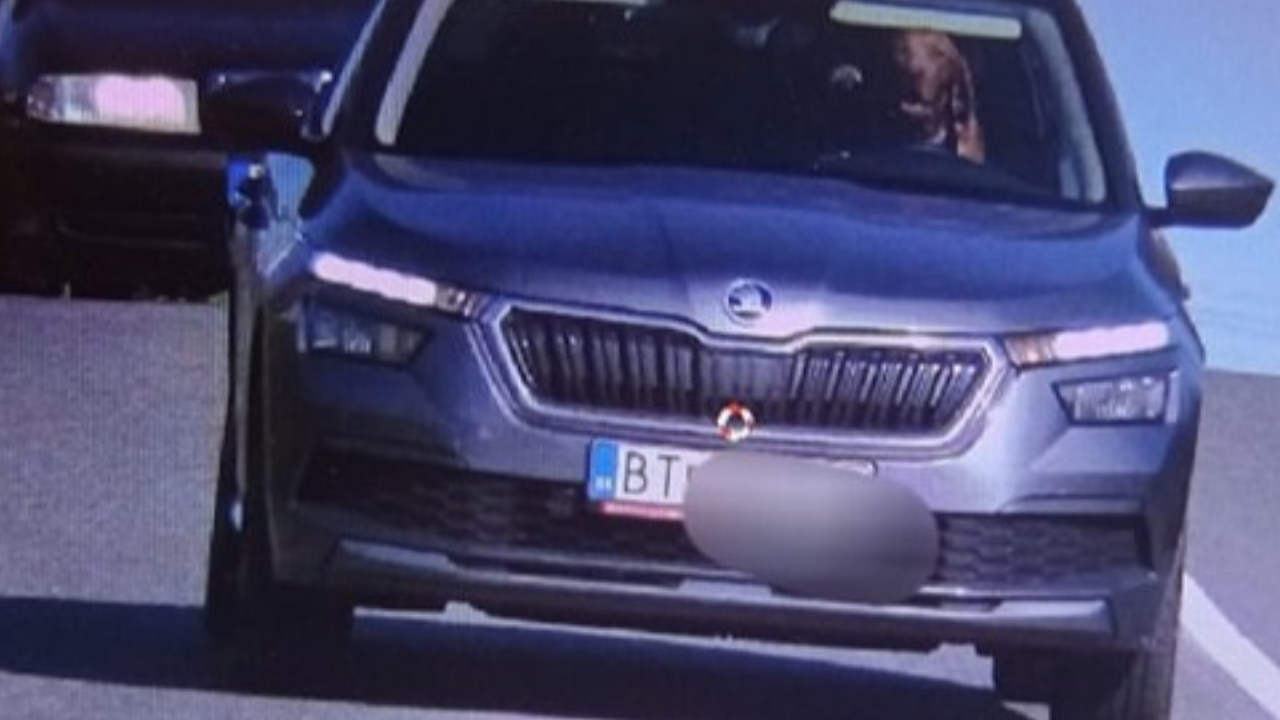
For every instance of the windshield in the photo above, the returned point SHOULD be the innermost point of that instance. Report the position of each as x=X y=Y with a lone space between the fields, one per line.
x=974 y=102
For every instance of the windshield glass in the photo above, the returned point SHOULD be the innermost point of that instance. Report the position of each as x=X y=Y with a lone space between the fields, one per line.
x=973 y=102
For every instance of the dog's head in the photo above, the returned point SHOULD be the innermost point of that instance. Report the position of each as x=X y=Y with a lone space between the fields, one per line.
x=936 y=91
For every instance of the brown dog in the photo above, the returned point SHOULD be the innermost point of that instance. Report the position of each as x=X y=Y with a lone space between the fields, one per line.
x=938 y=94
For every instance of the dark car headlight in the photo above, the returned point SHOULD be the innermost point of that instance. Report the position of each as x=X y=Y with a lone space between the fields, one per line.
x=1129 y=398
x=155 y=104
x=325 y=327
x=1120 y=400
x=328 y=330
x=394 y=285
x=1066 y=346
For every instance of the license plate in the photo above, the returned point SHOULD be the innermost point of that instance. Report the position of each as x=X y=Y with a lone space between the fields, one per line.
x=643 y=481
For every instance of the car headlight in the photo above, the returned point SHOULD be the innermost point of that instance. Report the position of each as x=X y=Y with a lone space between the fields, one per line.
x=154 y=104
x=330 y=331
x=1091 y=344
x=1121 y=400
x=394 y=285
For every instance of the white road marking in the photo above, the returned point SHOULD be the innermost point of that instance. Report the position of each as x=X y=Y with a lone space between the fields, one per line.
x=1252 y=670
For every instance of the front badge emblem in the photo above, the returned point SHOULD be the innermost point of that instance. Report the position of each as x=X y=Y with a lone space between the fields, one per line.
x=735 y=422
x=748 y=301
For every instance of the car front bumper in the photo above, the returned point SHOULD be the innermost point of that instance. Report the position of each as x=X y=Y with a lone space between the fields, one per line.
x=736 y=610
x=115 y=211
x=411 y=485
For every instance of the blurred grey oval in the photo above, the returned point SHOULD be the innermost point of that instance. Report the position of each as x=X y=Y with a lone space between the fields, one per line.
x=811 y=529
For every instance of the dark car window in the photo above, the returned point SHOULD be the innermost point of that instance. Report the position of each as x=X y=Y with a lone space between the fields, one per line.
x=759 y=85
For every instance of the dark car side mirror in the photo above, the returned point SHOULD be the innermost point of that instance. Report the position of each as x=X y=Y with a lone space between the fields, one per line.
x=1207 y=190
x=262 y=110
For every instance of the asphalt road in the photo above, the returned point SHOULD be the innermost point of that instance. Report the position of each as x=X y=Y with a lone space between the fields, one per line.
x=109 y=419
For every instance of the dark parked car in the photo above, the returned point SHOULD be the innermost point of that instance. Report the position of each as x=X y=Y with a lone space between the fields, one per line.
x=527 y=265
x=107 y=183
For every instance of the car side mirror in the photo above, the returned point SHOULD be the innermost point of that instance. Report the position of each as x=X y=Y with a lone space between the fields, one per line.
x=256 y=111
x=1206 y=190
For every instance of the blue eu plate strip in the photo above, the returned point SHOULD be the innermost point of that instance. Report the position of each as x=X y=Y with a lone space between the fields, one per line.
x=603 y=471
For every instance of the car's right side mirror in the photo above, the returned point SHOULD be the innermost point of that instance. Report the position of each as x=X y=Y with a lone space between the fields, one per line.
x=1207 y=190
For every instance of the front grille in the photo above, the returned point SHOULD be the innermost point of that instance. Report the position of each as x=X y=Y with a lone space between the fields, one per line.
x=473 y=518
x=579 y=363
x=158 y=229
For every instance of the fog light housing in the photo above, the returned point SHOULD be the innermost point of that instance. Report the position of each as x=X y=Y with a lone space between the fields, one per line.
x=329 y=331
x=1133 y=399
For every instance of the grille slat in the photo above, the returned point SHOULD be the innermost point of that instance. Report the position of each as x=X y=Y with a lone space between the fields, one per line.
x=648 y=358
x=963 y=379
x=617 y=368
x=846 y=405
x=615 y=380
x=811 y=403
x=600 y=385
x=541 y=364
x=921 y=389
x=833 y=382
x=881 y=396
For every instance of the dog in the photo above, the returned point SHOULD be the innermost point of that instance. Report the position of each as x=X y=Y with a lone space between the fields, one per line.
x=937 y=97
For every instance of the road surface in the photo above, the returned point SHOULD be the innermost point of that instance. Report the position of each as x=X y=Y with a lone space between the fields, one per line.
x=109 y=421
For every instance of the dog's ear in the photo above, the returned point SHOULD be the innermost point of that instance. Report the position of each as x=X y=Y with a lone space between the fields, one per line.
x=970 y=142
x=962 y=104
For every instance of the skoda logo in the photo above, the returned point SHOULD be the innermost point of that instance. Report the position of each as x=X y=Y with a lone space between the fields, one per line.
x=747 y=301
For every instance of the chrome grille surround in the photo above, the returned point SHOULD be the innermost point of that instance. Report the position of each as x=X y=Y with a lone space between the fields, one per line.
x=699 y=430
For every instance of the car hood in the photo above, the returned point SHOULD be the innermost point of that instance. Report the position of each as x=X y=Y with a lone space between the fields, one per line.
x=671 y=242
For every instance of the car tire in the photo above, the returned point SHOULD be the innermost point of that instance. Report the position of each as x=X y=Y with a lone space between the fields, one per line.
x=221 y=589
x=1026 y=677
x=265 y=634
x=1125 y=686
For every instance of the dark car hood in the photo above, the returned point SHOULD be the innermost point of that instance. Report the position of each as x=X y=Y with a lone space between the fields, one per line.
x=671 y=242
x=189 y=38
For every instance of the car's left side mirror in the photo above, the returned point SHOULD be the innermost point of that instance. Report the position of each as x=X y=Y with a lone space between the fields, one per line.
x=262 y=110
x=1206 y=190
